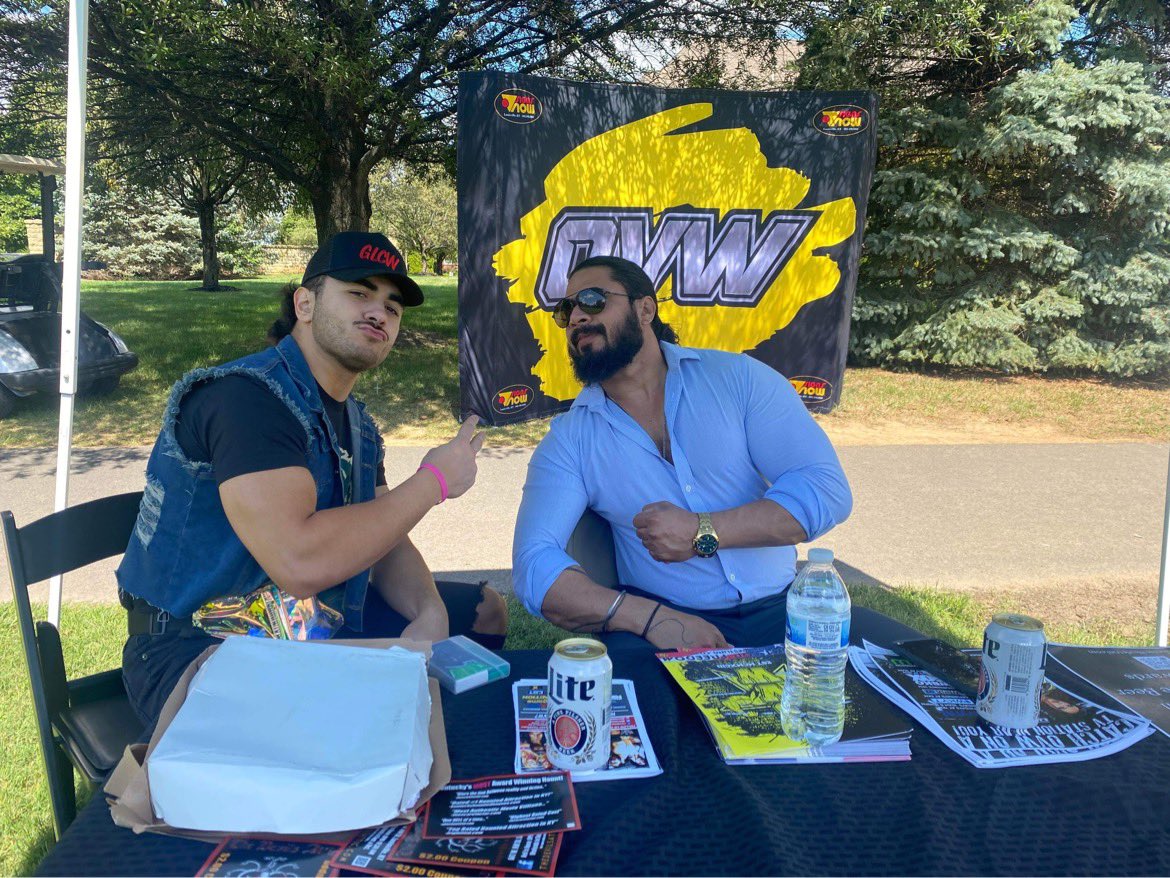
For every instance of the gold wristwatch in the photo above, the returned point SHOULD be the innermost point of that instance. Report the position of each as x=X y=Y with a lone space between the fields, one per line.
x=706 y=541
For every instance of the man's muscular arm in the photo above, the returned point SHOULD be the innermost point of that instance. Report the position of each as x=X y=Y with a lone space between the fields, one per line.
x=306 y=550
x=668 y=531
x=405 y=582
x=577 y=603
x=807 y=494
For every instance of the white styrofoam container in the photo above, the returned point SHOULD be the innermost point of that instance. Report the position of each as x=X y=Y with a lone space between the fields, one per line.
x=298 y=738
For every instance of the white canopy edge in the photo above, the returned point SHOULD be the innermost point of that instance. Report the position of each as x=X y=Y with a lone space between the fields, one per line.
x=1162 y=635
x=71 y=260
x=25 y=164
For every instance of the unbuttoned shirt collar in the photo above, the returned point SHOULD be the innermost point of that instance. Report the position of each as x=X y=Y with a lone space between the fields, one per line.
x=592 y=396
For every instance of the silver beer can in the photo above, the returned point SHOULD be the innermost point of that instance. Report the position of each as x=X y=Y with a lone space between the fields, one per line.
x=1011 y=671
x=580 y=686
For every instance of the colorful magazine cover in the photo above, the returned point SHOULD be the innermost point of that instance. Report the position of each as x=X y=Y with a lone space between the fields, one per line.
x=631 y=753
x=738 y=690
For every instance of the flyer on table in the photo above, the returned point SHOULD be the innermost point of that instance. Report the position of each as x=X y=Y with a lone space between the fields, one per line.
x=504 y=805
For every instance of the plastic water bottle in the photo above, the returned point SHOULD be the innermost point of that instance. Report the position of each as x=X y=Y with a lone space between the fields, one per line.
x=816 y=640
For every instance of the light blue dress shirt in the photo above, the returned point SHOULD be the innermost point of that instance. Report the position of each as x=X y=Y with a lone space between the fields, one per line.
x=738 y=433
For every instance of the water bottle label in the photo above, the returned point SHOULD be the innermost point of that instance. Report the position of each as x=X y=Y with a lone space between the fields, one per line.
x=817 y=633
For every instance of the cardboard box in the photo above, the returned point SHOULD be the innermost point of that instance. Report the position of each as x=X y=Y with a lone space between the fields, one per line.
x=128 y=789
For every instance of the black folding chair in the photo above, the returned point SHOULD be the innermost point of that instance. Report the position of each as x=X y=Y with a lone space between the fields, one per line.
x=591 y=545
x=87 y=721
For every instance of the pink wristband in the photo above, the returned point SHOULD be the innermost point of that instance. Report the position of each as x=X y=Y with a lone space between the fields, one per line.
x=438 y=474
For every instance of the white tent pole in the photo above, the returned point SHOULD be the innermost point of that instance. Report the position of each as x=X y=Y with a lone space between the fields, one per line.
x=71 y=276
x=1164 y=580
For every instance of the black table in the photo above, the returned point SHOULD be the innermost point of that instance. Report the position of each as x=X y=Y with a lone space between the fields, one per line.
x=934 y=815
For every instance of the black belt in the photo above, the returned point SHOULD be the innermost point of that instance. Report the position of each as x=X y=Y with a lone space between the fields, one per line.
x=145 y=618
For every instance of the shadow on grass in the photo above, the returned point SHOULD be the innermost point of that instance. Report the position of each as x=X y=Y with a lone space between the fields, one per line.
x=954 y=618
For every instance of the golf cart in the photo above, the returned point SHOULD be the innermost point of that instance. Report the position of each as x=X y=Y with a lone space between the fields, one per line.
x=30 y=317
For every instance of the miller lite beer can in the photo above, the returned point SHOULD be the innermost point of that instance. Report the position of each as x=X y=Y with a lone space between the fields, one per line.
x=580 y=683
x=1011 y=671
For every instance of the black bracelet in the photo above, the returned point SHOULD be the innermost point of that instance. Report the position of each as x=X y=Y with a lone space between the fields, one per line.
x=649 y=619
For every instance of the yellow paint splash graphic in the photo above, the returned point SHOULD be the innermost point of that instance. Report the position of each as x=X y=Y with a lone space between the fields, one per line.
x=643 y=165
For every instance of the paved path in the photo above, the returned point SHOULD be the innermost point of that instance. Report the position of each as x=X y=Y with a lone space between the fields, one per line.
x=948 y=516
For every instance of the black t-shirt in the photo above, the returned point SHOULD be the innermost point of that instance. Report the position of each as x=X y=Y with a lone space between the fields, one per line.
x=240 y=426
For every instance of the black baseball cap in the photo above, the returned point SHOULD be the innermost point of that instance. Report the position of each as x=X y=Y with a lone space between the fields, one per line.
x=358 y=255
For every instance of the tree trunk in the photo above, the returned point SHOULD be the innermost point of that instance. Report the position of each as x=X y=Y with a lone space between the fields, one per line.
x=439 y=264
x=342 y=201
x=210 y=250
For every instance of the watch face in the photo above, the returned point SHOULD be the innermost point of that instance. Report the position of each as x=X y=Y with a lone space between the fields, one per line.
x=706 y=545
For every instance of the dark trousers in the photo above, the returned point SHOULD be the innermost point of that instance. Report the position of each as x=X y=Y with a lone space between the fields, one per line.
x=153 y=663
x=758 y=623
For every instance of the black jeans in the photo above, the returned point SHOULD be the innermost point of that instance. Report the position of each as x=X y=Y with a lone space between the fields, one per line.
x=153 y=663
x=758 y=623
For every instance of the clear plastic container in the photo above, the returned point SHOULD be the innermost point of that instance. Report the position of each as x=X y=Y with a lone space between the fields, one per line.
x=459 y=664
x=816 y=642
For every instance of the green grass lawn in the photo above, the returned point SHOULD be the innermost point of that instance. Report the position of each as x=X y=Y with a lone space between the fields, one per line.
x=93 y=637
x=174 y=328
x=413 y=396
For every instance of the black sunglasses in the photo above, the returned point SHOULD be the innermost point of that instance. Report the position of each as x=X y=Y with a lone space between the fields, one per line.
x=590 y=300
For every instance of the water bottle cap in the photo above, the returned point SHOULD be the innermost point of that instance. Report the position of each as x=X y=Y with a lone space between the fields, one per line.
x=820 y=556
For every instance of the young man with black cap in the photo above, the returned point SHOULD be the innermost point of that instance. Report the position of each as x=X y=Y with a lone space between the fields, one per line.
x=267 y=470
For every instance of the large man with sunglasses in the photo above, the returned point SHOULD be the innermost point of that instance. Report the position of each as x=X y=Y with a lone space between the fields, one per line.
x=706 y=465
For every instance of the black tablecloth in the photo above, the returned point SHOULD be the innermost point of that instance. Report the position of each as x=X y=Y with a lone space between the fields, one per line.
x=933 y=815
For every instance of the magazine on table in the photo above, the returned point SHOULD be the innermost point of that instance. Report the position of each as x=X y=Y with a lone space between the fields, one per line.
x=737 y=692
x=1136 y=676
x=631 y=753
x=1072 y=726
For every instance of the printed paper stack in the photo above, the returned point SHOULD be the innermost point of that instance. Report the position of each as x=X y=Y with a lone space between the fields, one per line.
x=630 y=752
x=1072 y=727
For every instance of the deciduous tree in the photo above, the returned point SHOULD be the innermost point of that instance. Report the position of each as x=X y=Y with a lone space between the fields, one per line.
x=417 y=206
x=322 y=91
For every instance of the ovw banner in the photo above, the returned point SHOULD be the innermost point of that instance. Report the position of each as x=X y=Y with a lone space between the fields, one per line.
x=745 y=209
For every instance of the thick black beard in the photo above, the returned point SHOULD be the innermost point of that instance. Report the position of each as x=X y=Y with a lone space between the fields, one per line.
x=593 y=367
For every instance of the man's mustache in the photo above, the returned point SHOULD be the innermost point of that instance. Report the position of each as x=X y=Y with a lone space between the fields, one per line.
x=577 y=334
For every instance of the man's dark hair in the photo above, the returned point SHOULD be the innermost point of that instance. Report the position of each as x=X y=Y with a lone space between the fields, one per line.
x=284 y=324
x=637 y=284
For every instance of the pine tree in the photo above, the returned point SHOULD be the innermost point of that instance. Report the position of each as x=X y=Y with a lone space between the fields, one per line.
x=1020 y=212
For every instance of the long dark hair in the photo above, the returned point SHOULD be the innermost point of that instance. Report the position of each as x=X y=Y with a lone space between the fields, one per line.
x=284 y=324
x=637 y=284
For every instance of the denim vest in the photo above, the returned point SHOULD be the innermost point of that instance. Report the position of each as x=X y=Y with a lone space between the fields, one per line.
x=183 y=551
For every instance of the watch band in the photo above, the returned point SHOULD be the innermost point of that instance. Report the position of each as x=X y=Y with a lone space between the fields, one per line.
x=706 y=529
